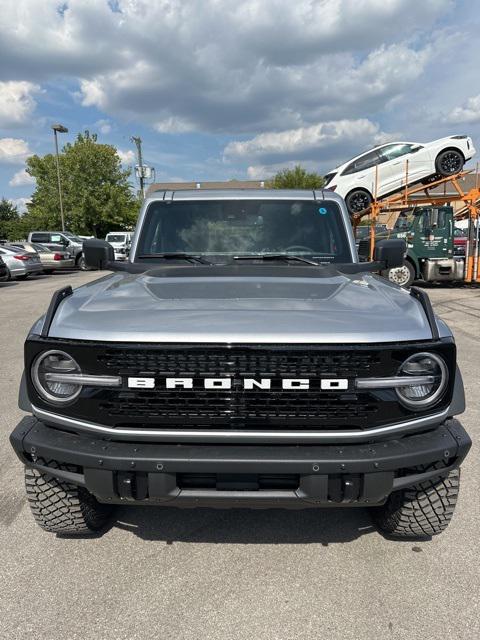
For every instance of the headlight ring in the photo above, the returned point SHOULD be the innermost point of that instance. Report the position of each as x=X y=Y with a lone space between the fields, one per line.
x=426 y=395
x=55 y=361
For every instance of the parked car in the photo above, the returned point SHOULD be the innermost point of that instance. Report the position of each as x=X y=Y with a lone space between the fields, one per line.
x=459 y=241
x=121 y=242
x=20 y=264
x=52 y=239
x=52 y=260
x=355 y=180
x=3 y=271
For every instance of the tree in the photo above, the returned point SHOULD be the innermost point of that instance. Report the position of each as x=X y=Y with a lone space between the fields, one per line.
x=296 y=178
x=9 y=220
x=97 y=197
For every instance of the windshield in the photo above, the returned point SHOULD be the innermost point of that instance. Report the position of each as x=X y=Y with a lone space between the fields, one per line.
x=115 y=237
x=227 y=228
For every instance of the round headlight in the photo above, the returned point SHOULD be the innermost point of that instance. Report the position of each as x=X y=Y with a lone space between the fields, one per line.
x=51 y=365
x=426 y=394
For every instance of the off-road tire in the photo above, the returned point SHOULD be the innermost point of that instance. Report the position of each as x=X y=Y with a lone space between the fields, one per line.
x=421 y=511
x=61 y=507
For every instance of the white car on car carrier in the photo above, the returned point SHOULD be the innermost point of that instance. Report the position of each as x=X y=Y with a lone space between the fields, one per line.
x=355 y=180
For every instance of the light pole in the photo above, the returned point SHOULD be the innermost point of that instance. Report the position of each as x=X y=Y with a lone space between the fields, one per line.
x=59 y=128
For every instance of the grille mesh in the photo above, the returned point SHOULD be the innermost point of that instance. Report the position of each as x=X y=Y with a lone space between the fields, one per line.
x=237 y=407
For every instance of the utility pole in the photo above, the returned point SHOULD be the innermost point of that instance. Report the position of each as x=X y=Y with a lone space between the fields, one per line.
x=140 y=172
x=59 y=128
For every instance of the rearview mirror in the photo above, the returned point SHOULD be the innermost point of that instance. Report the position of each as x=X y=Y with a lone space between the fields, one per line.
x=390 y=252
x=98 y=253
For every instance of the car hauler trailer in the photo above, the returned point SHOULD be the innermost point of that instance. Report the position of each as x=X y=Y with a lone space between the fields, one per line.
x=426 y=221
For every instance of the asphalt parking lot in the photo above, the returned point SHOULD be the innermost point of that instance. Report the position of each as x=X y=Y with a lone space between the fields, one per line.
x=238 y=574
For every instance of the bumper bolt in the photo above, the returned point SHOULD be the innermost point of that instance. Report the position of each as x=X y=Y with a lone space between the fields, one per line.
x=375 y=464
x=342 y=466
x=159 y=466
x=446 y=454
x=316 y=467
x=100 y=462
x=132 y=464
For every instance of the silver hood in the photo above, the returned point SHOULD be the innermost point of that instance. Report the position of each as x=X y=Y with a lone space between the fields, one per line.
x=290 y=309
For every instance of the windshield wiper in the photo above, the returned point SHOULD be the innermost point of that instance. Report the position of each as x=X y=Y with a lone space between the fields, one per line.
x=286 y=257
x=175 y=255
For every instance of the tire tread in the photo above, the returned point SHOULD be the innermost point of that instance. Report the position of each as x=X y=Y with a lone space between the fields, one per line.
x=423 y=510
x=61 y=507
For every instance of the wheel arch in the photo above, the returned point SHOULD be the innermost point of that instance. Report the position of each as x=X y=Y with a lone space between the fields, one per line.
x=415 y=264
x=367 y=191
x=451 y=148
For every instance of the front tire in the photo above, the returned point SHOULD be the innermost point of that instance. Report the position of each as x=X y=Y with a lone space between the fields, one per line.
x=403 y=276
x=358 y=200
x=449 y=162
x=61 y=507
x=421 y=511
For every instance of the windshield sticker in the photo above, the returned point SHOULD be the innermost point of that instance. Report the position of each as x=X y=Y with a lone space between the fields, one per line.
x=322 y=211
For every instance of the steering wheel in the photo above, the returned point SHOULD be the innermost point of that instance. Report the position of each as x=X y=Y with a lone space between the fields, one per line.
x=298 y=247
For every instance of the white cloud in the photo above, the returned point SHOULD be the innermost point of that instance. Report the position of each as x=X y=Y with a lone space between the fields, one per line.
x=13 y=150
x=21 y=178
x=468 y=112
x=92 y=94
x=173 y=125
x=237 y=67
x=104 y=126
x=20 y=203
x=16 y=102
x=322 y=140
x=126 y=157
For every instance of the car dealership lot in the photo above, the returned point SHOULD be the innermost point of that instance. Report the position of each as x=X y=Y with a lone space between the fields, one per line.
x=234 y=574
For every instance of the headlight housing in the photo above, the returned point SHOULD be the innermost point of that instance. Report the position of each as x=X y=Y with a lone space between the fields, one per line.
x=55 y=362
x=423 y=395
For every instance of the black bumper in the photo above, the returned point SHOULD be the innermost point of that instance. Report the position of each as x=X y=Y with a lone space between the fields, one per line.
x=240 y=475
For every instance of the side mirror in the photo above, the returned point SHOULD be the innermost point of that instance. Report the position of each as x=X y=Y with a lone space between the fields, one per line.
x=390 y=252
x=98 y=253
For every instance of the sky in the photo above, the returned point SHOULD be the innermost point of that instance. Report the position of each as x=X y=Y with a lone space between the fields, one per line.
x=222 y=89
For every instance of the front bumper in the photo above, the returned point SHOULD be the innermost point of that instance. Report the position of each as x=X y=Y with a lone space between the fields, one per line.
x=287 y=476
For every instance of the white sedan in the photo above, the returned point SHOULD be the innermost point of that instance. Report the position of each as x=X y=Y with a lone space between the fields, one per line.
x=355 y=180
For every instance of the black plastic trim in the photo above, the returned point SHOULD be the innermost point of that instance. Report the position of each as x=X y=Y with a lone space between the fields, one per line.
x=101 y=465
x=424 y=300
x=57 y=298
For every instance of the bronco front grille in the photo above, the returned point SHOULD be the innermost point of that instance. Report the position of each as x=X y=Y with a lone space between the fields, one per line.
x=237 y=408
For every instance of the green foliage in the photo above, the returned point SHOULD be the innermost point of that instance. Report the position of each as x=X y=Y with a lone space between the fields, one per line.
x=10 y=221
x=296 y=178
x=97 y=197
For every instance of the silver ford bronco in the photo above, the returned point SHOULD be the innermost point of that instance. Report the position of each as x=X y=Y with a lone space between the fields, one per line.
x=242 y=357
